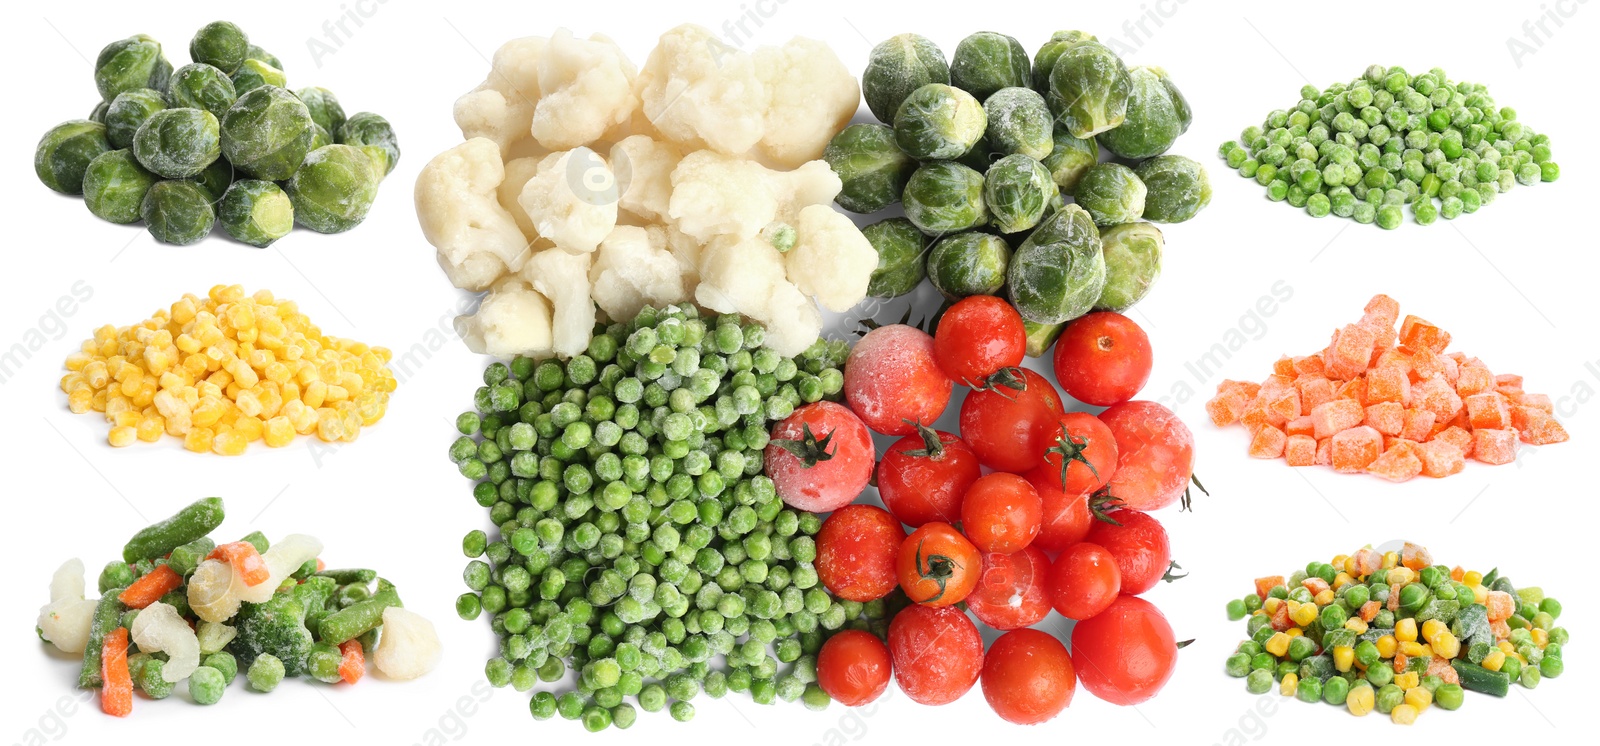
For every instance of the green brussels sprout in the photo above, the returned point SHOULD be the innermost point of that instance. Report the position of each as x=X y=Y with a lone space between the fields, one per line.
x=256 y=212
x=215 y=178
x=1019 y=191
x=367 y=128
x=257 y=53
x=871 y=166
x=1112 y=193
x=1089 y=89
x=938 y=122
x=128 y=111
x=1153 y=122
x=1177 y=188
x=323 y=137
x=65 y=151
x=1039 y=338
x=898 y=66
x=987 y=61
x=221 y=45
x=978 y=158
x=1133 y=262
x=1056 y=275
x=253 y=74
x=324 y=107
x=333 y=189
x=98 y=114
x=130 y=64
x=114 y=186
x=971 y=263
x=1071 y=158
x=380 y=161
x=178 y=143
x=201 y=86
x=1018 y=121
x=177 y=212
x=1045 y=59
x=900 y=248
x=1180 y=105
x=945 y=197
x=267 y=133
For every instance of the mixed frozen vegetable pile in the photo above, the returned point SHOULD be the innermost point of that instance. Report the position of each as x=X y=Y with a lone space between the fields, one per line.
x=179 y=607
x=1389 y=403
x=983 y=149
x=1388 y=139
x=1393 y=631
x=220 y=140
x=584 y=181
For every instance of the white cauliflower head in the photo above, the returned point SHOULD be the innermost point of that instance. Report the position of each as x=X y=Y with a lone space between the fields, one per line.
x=746 y=275
x=563 y=277
x=643 y=168
x=633 y=269
x=572 y=200
x=65 y=621
x=586 y=88
x=830 y=260
x=518 y=173
x=699 y=91
x=409 y=646
x=478 y=239
x=502 y=107
x=721 y=195
x=813 y=96
x=513 y=319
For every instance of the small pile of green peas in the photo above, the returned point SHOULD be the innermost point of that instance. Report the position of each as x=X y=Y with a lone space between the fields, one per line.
x=637 y=536
x=1389 y=139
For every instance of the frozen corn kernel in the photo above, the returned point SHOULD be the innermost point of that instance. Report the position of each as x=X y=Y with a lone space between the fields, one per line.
x=151 y=428
x=1287 y=686
x=1303 y=614
x=1278 y=644
x=1419 y=697
x=1403 y=714
x=1494 y=660
x=1405 y=630
x=1360 y=701
x=1387 y=646
x=1343 y=658
x=122 y=435
x=277 y=432
x=1408 y=680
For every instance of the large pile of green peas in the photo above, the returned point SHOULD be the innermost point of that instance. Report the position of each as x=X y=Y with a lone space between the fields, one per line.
x=638 y=540
x=1389 y=139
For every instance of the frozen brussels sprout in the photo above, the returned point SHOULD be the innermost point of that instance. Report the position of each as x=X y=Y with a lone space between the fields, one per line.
x=178 y=143
x=130 y=64
x=215 y=178
x=979 y=158
x=1177 y=188
x=1045 y=60
x=1018 y=191
x=1154 y=119
x=333 y=189
x=256 y=212
x=324 y=107
x=1070 y=159
x=1133 y=262
x=1112 y=193
x=177 y=212
x=900 y=248
x=98 y=114
x=367 y=128
x=322 y=137
x=379 y=158
x=201 y=86
x=945 y=197
x=114 y=186
x=987 y=61
x=257 y=53
x=254 y=74
x=267 y=133
x=65 y=151
x=220 y=44
x=898 y=66
x=128 y=111
x=1089 y=89
x=872 y=167
x=1057 y=274
x=1018 y=121
x=971 y=263
x=938 y=122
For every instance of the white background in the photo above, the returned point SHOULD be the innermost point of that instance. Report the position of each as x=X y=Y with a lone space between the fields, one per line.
x=1512 y=283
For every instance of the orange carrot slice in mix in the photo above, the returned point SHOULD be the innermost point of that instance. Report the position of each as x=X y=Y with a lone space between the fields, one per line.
x=245 y=560
x=354 y=663
x=116 y=687
x=150 y=588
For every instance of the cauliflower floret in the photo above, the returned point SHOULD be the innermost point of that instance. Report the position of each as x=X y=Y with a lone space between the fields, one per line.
x=746 y=275
x=477 y=239
x=830 y=260
x=563 y=277
x=633 y=269
x=643 y=168
x=586 y=87
x=513 y=319
x=282 y=558
x=813 y=96
x=160 y=629
x=409 y=646
x=687 y=251
x=65 y=621
x=518 y=173
x=697 y=90
x=572 y=200
x=502 y=107
x=721 y=195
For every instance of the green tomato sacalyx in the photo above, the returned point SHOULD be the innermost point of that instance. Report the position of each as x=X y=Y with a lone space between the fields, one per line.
x=267 y=133
x=1156 y=115
x=65 y=152
x=1089 y=89
x=1176 y=188
x=333 y=190
x=1112 y=194
x=900 y=248
x=128 y=111
x=971 y=263
x=1018 y=122
x=872 y=168
x=1045 y=59
x=130 y=64
x=324 y=107
x=1070 y=158
x=177 y=212
x=220 y=44
x=945 y=197
x=1133 y=262
x=253 y=74
x=178 y=143
x=114 y=186
x=987 y=61
x=1057 y=274
x=201 y=86
x=938 y=122
x=896 y=67
x=1018 y=191
x=367 y=128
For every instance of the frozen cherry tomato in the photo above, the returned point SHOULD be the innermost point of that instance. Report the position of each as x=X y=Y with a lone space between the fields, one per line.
x=937 y=653
x=1012 y=592
x=1126 y=653
x=923 y=477
x=937 y=565
x=1064 y=519
x=978 y=336
x=1009 y=423
x=1140 y=546
x=1088 y=449
x=1084 y=580
x=1102 y=358
x=856 y=552
x=1001 y=513
x=820 y=457
x=1028 y=677
x=853 y=667
x=1155 y=454
x=892 y=381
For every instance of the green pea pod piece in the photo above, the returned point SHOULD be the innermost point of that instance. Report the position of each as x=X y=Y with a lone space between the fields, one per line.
x=107 y=615
x=356 y=620
x=194 y=521
x=186 y=558
x=348 y=576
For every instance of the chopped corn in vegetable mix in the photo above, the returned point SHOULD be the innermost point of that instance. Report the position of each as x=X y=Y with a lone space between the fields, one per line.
x=1394 y=632
x=225 y=371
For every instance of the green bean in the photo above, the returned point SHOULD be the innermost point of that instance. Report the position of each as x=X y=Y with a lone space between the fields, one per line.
x=193 y=522
x=357 y=619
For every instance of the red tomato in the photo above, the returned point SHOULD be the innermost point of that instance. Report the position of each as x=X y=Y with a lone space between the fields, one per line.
x=1065 y=519
x=1012 y=592
x=856 y=551
x=923 y=477
x=1139 y=545
x=1155 y=454
x=853 y=667
x=978 y=336
x=937 y=565
x=1007 y=426
x=1086 y=446
x=892 y=382
x=1126 y=652
x=820 y=458
x=1001 y=513
x=937 y=653
x=1028 y=677
x=1084 y=580
x=1102 y=358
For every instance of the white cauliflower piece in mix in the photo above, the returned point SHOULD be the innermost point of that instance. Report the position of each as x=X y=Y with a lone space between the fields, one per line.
x=699 y=91
x=586 y=89
x=721 y=195
x=746 y=275
x=513 y=319
x=633 y=269
x=687 y=251
x=409 y=646
x=160 y=629
x=572 y=200
x=65 y=621
x=518 y=173
x=478 y=239
x=563 y=277
x=813 y=95
x=502 y=107
x=643 y=168
x=831 y=260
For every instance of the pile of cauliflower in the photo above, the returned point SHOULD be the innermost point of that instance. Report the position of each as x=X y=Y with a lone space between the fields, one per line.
x=586 y=182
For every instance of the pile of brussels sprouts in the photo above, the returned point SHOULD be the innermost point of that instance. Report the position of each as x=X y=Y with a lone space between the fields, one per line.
x=217 y=140
x=982 y=152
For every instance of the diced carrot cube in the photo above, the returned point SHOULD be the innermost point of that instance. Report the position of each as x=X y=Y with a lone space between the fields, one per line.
x=1381 y=312
x=1440 y=458
x=1315 y=584
x=1457 y=573
x=1368 y=561
x=1397 y=464
x=1351 y=352
x=1388 y=417
x=1310 y=365
x=352 y=661
x=1415 y=556
x=1335 y=416
x=1286 y=404
x=1537 y=401
x=1457 y=437
x=1280 y=618
x=1314 y=390
x=1537 y=427
x=1268 y=442
x=1356 y=448
x=1301 y=425
x=1418 y=425
x=1256 y=417
x=1300 y=450
x=1474 y=380
x=1248 y=388
x=1494 y=446
x=1369 y=611
x=1438 y=666
x=1508 y=381
x=1325 y=452
x=1501 y=605
x=1284 y=366
x=1401 y=660
x=1354 y=389
x=1427 y=364
x=1437 y=396
x=1488 y=411
x=1266 y=584
x=1226 y=408
x=1393 y=357
x=1419 y=335
x=1388 y=385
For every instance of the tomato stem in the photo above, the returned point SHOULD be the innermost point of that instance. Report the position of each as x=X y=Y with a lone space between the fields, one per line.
x=1170 y=576
x=1187 y=505
x=939 y=568
x=1072 y=448
x=808 y=448
x=1102 y=503
x=932 y=447
x=1185 y=643
x=1005 y=378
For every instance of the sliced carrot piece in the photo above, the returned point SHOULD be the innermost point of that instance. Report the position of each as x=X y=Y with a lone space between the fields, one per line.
x=245 y=560
x=354 y=663
x=150 y=588
x=116 y=687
